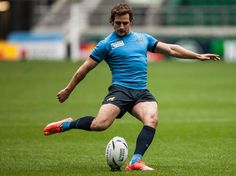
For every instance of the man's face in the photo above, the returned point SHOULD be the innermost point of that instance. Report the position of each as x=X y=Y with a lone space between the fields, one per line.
x=121 y=25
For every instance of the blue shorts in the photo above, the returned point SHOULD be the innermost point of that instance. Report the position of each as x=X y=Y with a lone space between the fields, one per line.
x=126 y=98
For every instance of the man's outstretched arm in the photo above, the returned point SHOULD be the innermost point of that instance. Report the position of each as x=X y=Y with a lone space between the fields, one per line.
x=180 y=52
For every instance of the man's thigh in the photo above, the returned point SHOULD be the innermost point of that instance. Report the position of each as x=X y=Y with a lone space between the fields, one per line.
x=105 y=117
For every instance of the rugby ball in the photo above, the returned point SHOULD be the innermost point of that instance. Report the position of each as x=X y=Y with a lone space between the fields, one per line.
x=116 y=153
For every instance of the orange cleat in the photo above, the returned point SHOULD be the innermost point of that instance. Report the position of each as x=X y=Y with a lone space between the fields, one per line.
x=139 y=165
x=55 y=127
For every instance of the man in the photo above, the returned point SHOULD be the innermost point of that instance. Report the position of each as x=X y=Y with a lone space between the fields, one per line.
x=126 y=54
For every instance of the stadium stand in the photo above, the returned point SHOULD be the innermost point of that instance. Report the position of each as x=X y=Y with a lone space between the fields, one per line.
x=56 y=18
x=164 y=14
x=59 y=16
x=199 y=13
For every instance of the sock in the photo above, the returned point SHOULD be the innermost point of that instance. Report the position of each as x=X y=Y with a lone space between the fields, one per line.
x=144 y=140
x=66 y=126
x=135 y=158
x=81 y=123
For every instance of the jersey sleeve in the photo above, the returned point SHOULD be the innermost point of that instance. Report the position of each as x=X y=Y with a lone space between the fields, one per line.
x=99 y=53
x=152 y=42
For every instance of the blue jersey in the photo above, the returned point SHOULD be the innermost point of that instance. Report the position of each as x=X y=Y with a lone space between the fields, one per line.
x=126 y=57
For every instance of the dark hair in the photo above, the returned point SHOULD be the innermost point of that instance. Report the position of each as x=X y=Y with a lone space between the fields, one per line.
x=121 y=9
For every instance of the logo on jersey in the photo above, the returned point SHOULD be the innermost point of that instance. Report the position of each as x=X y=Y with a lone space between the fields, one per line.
x=117 y=44
x=139 y=39
x=111 y=99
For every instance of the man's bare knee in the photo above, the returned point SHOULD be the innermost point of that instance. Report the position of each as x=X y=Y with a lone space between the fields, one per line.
x=151 y=121
x=155 y=122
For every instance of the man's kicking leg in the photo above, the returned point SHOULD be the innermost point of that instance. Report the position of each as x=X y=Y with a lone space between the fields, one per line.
x=105 y=117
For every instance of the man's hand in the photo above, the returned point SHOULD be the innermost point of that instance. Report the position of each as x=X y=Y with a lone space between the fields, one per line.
x=63 y=95
x=204 y=57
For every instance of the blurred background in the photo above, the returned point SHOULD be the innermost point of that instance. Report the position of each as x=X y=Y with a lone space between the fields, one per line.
x=69 y=29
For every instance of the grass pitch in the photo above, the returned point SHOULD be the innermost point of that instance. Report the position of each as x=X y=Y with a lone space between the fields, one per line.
x=196 y=134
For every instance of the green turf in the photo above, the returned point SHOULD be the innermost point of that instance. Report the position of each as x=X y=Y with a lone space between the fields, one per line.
x=196 y=134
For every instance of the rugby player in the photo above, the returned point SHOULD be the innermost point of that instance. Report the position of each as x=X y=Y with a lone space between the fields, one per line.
x=125 y=52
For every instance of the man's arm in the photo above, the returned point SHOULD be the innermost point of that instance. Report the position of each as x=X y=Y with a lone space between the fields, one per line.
x=79 y=75
x=180 y=52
